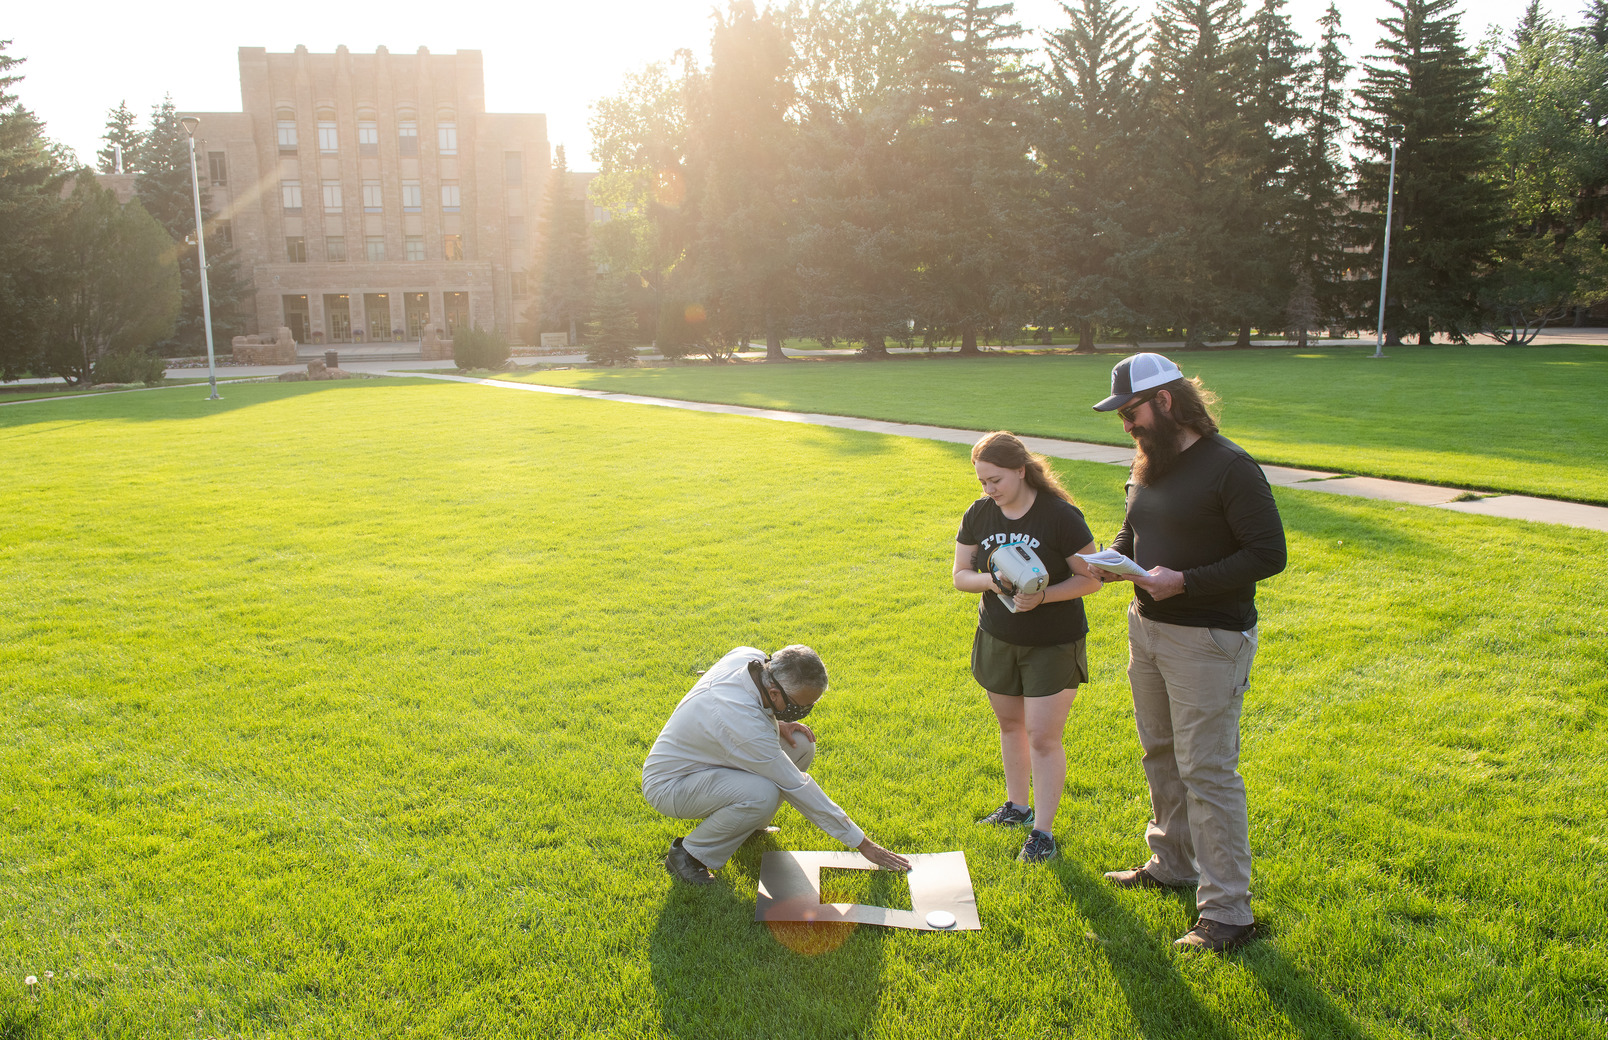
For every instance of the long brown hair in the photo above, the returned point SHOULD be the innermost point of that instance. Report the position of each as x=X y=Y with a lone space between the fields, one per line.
x=1192 y=405
x=1005 y=450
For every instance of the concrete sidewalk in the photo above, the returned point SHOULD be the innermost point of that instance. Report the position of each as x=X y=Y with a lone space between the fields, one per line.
x=1462 y=500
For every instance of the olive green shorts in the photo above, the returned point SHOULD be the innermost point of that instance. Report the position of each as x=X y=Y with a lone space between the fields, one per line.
x=1027 y=671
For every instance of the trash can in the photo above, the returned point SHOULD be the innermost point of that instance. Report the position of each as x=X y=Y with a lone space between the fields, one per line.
x=332 y=359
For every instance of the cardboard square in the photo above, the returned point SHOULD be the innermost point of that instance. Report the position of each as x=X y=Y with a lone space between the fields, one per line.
x=790 y=890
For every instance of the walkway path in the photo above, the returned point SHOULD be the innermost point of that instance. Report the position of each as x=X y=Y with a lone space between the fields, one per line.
x=1513 y=507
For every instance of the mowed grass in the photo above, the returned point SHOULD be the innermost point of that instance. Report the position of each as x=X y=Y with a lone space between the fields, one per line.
x=325 y=709
x=1526 y=421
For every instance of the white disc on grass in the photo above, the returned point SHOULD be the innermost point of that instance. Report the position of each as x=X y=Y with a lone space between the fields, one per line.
x=940 y=919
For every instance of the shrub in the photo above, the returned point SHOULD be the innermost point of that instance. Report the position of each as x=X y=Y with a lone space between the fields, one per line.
x=129 y=366
x=477 y=348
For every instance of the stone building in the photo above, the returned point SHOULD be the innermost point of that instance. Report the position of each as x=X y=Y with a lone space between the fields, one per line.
x=370 y=195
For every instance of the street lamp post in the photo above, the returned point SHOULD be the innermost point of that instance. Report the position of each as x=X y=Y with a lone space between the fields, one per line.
x=1393 y=133
x=190 y=123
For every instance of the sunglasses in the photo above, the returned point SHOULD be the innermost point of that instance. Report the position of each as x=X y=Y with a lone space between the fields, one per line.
x=1127 y=412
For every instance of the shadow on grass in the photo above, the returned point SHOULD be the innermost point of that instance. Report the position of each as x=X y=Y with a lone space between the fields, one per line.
x=165 y=404
x=1167 y=1005
x=720 y=973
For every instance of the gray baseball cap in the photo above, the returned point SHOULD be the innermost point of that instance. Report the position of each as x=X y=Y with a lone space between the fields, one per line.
x=1134 y=375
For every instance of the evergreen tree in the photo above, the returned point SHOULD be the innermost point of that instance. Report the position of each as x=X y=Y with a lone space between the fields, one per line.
x=162 y=160
x=611 y=334
x=564 y=263
x=1448 y=209
x=31 y=174
x=120 y=133
x=743 y=143
x=117 y=285
x=1202 y=168
x=1087 y=147
x=1319 y=184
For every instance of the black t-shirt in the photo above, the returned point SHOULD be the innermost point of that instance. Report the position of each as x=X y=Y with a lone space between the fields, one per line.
x=1054 y=529
x=1212 y=516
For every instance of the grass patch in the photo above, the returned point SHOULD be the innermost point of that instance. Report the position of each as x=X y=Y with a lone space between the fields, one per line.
x=1488 y=418
x=326 y=706
x=38 y=391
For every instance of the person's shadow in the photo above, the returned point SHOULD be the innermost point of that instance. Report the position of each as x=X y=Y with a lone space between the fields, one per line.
x=717 y=972
x=1162 y=1001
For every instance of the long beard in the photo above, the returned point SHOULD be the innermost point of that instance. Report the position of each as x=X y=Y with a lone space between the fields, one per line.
x=1156 y=448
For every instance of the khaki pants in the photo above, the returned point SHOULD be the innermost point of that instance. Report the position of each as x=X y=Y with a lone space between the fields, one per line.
x=731 y=803
x=1188 y=687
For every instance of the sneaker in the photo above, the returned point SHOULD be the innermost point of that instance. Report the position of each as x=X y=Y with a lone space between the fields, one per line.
x=1216 y=936
x=1138 y=877
x=684 y=867
x=762 y=832
x=1009 y=815
x=1040 y=848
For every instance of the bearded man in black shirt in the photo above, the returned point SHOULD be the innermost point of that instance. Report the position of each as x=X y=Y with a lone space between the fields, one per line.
x=1201 y=518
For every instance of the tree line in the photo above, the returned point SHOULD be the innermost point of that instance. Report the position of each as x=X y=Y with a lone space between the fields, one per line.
x=94 y=290
x=873 y=172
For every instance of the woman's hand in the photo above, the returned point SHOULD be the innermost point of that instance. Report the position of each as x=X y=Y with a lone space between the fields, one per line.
x=1026 y=601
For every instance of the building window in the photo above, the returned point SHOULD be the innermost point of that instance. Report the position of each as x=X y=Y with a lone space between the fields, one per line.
x=335 y=248
x=332 y=196
x=290 y=192
x=287 y=134
x=415 y=246
x=373 y=200
x=514 y=168
x=450 y=198
x=447 y=138
x=412 y=197
x=296 y=250
x=218 y=168
x=407 y=137
x=374 y=245
x=368 y=137
x=516 y=281
x=329 y=140
x=224 y=229
x=516 y=232
x=452 y=247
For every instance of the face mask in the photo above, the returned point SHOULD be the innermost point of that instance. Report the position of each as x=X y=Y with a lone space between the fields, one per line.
x=791 y=712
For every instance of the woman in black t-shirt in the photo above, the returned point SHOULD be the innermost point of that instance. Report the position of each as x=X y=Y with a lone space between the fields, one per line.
x=1028 y=655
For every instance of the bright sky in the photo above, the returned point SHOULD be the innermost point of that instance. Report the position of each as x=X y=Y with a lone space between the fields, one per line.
x=554 y=58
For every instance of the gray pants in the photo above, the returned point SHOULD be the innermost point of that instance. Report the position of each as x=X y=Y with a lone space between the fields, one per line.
x=1188 y=687
x=731 y=803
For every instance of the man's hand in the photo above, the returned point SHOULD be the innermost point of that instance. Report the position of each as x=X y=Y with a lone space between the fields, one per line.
x=882 y=857
x=1162 y=583
x=788 y=729
x=1107 y=577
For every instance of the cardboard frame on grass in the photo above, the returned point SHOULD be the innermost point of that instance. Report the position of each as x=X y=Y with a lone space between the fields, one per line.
x=790 y=890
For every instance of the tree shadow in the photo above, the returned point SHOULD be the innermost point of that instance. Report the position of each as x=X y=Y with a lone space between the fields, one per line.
x=190 y=401
x=720 y=973
x=1167 y=1005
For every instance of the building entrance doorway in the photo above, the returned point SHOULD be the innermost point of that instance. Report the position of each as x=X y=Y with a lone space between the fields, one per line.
x=377 y=306
x=417 y=307
x=296 y=318
x=456 y=304
x=338 y=317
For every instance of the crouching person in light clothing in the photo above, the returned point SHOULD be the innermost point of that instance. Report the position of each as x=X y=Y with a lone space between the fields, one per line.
x=734 y=750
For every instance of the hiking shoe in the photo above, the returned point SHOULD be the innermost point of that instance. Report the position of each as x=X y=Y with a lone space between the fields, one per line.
x=1216 y=936
x=1138 y=877
x=1040 y=848
x=1009 y=815
x=684 y=867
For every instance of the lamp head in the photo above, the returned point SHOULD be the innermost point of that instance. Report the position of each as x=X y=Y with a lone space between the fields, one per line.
x=1395 y=132
x=190 y=123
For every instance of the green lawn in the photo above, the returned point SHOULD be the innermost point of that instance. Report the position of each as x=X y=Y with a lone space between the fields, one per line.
x=1525 y=420
x=326 y=704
